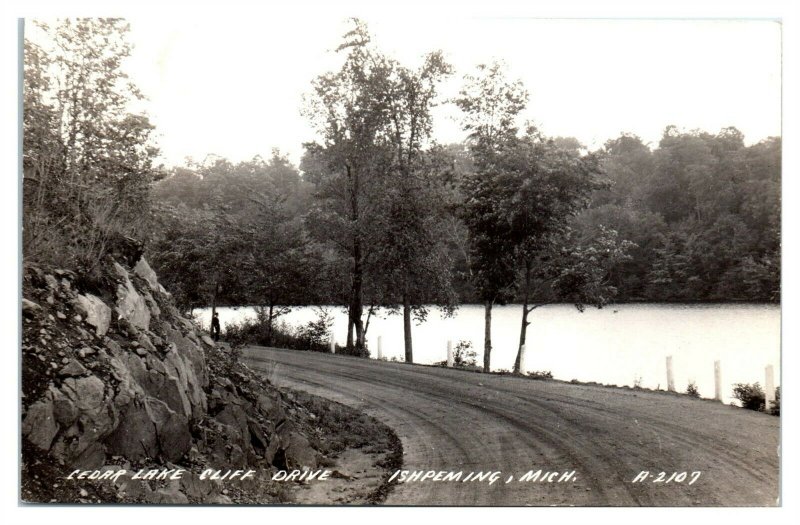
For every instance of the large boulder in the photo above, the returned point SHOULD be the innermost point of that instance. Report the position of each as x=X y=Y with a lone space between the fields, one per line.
x=235 y=418
x=172 y=429
x=95 y=311
x=185 y=361
x=135 y=437
x=191 y=352
x=29 y=307
x=39 y=425
x=295 y=450
x=151 y=374
x=87 y=393
x=130 y=305
x=143 y=270
x=64 y=410
x=87 y=416
x=169 y=496
x=73 y=369
x=150 y=429
x=270 y=406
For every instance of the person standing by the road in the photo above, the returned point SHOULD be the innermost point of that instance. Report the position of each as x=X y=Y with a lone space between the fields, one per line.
x=215 y=326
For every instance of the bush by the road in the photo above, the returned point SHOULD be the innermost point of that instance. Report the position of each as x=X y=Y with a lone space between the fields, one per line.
x=282 y=335
x=775 y=410
x=313 y=335
x=692 y=390
x=750 y=396
x=463 y=356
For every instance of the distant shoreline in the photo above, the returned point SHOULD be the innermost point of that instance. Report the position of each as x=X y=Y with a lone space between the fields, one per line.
x=606 y=307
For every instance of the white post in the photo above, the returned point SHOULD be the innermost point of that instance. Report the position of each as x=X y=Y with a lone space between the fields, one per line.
x=670 y=375
x=380 y=348
x=522 y=359
x=450 y=360
x=333 y=345
x=769 y=388
x=717 y=381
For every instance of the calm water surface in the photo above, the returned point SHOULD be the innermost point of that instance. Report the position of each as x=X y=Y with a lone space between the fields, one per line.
x=622 y=345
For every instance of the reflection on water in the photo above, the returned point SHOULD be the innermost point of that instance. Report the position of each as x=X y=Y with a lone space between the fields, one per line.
x=621 y=344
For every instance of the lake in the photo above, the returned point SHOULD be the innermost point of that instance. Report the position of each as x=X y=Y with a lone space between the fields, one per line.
x=620 y=344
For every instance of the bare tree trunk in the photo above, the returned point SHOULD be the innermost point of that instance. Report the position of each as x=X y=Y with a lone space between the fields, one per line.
x=487 y=339
x=269 y=326
x=370 y=310
x=361 y=340
x=407 y=329
x=349 y=331
x=355 y=321
x=524 y=327
x=356 y=308
x=356 y=304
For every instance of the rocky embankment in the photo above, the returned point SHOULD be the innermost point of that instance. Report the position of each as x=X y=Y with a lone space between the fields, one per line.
x=113 y=376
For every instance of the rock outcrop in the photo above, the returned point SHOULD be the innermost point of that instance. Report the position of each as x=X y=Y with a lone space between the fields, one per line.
x=114 y=374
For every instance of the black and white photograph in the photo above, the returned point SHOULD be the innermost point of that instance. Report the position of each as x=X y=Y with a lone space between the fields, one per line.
x=438 y=260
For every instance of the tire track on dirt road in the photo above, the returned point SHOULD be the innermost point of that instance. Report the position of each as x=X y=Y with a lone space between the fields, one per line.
x=454 y=420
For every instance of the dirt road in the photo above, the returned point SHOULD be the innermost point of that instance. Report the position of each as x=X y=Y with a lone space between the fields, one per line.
x=457 y=421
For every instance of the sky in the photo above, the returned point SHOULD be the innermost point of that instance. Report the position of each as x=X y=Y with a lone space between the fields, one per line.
x=234 y=87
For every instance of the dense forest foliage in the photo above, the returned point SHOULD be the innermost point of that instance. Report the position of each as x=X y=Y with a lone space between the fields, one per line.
x=378 y=214
x=702 y=211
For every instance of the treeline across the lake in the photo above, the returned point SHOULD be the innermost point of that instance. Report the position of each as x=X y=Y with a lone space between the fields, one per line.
x=722 y=245
x=378 y=214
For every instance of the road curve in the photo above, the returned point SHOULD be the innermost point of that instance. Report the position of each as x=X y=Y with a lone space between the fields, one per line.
x=453 y=420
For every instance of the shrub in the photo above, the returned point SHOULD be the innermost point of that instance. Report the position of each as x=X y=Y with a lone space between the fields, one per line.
x=314 y=335
x=540 y=375
x=775 y=409
x=464 y=355
x=750 y=396
x=691 y=389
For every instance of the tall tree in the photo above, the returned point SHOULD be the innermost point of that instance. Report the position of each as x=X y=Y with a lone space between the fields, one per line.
x=411 y=255
x=374 y=179
x=491 y=105
x=349 y=109
x=545 y=186
x=410 y=252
